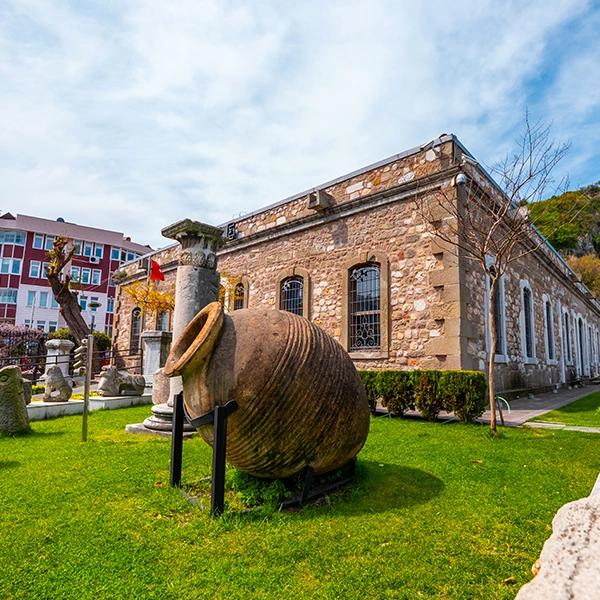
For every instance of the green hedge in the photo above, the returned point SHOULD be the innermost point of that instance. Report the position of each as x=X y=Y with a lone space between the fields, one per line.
x=461 y=392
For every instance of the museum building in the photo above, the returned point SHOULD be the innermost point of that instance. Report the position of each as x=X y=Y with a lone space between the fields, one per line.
x=356 y=256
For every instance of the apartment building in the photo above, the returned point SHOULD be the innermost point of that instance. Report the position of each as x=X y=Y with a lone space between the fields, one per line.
x=25 y=294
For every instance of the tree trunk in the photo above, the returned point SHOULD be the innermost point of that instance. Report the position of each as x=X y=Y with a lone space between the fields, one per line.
x=492 y=352
x=69 y=307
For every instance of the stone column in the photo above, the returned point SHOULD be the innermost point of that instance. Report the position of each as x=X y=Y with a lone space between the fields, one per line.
x=155 y=345
x=197 y=284
x=58 y=353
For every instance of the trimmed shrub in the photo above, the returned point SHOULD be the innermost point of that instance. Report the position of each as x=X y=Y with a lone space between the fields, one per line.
x=427 y=401
x=396 y=390
x=369 y=379
x=463 y=392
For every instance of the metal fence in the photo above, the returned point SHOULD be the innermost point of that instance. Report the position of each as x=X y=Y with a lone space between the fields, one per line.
x=23 y=348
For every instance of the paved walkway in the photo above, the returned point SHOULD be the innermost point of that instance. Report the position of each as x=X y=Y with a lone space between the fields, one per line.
x=523 y=409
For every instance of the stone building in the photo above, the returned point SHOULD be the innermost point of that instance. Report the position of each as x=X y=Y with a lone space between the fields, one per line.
x=356 y=257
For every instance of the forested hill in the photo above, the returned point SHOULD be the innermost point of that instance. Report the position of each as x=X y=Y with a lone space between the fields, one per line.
x=571 y=222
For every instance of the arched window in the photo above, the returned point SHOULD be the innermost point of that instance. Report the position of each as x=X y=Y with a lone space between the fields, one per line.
x=581 y=344
x=527 y=322
x=291 y=295
x=364 y=309
x=567 y=337
x=549 y=329
x=239 y=296
x=136 y=330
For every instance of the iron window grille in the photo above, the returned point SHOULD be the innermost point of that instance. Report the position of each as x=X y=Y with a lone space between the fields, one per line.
x=365 y=307
x=292 y=295
x=136 y=330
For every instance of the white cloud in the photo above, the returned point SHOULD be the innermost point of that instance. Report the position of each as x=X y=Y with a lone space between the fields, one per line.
x=131 y=118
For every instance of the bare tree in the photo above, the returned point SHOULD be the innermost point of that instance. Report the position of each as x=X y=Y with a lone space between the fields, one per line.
x=490 y=224
x=59 y=256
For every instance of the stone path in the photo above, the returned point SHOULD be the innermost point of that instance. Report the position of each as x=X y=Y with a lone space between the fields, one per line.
x=550 y=425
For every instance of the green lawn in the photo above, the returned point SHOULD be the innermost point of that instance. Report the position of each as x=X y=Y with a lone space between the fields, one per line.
x=584 y=412
x=440 y=511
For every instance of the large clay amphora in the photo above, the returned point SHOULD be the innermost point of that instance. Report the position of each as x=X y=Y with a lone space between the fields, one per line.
x=301 y=401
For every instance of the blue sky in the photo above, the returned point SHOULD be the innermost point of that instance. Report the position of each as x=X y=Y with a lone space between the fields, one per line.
x=131 y=115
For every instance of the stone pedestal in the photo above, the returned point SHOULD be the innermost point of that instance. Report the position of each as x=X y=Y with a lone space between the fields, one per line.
x=156 y=345
x=58 y=352
x=196 y=285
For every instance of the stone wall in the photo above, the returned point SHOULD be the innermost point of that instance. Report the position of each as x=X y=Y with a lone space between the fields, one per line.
x=433 y=302
x=548 y=279
x=371 y=215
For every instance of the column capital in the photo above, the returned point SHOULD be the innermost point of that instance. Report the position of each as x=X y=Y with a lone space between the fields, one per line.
x=199 y=242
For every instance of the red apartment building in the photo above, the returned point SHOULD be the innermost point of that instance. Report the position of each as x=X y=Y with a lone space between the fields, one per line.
x=25 y=294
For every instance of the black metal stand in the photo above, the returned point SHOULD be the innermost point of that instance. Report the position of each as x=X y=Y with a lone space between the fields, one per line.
x=218 y=418
x=177 y=441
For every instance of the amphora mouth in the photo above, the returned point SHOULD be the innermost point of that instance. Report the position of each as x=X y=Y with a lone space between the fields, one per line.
x=196 y=340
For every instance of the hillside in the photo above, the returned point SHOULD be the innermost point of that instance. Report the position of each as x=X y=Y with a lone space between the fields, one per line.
x=579 y=235
x=578 y=238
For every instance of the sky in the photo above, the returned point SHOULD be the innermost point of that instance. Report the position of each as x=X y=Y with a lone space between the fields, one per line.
x=130 y=115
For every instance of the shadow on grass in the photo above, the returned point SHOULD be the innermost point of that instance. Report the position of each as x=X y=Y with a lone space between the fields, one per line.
x=379 y=487
x=8 y=464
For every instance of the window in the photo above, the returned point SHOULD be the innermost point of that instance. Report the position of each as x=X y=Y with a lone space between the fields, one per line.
x=43 y=300
x=34 y=269
x=8 y=296
x=93 y=300
x=110 y=305
x=115 y=253
x=590 y=348
x=238 y=296
x=499 y=318
x=131 y=256
x=78 y=245
x=38 y=241
x=580 y=343
x=567 y=337
x=527 y=335
x=45 y=266
x=40 y=325
x=85 y=275
x=83 y=302
x=291 y=295
x=52 y=325
x=53 y=303
x=162 y=321
x=49 y=242
x=136 y=330
x=364 y=299
x=27 y=322
x=98 y=250
x=96 y=276
x=549 y=329
x=12 y=237
x=10 y=265
x=87 y=248
x=31 y=298
x=75 y=274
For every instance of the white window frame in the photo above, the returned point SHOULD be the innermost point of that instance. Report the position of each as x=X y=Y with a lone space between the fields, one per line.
x=45 y=303
x=31 y=296
x=549 y=329
x=38 y=241
x=49 y=242
x=76 y=274
x=86 y=275
x=528 y=360
x=38 y=269
x=99 y=251
x=96 y=276
x=88 y=249
x=114 y=250
x=499 y=357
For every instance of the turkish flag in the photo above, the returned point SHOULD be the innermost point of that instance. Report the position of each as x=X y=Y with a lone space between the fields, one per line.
x=155 y=273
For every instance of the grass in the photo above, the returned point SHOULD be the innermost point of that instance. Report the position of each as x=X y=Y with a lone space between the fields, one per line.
x=584 y=412
x=439 y=511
